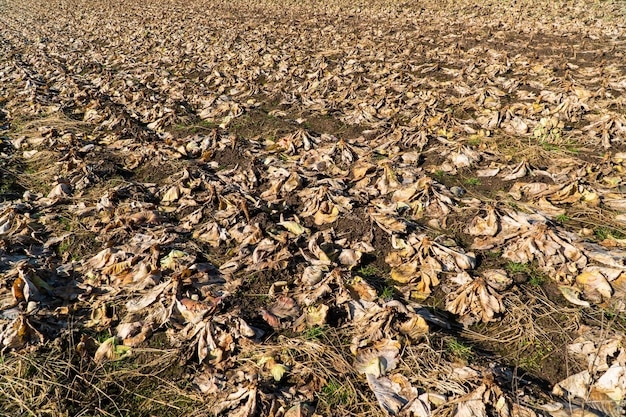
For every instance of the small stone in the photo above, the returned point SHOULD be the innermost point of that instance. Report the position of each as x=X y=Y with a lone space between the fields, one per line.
x=586 y=232
x=457 y=191
x=31 y=307
x=27 y=196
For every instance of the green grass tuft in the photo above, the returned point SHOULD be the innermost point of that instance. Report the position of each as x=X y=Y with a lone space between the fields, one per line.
x=335 y=393
x=368 y=271
x=460 y=350
x=518 y=268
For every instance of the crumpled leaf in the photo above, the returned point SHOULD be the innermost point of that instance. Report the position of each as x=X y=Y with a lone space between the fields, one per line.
x=478 y=300
x=386 y=393
x=294 y=227
x=171 y=195
x=278 y=371
x=379 y=359
x=61 y=190
x=312 y=316
x=172 y=259
x=487 y=226
x=313 y=274
x=414 y=328
x=327 y=213
x=472 y=404
x=595 y=286
x=299 y=410
x=19 y=333
x=361 y=289
x=148 y=298
x=572 y=295
x=518 y=171
x=285 y=307
x=419 y=261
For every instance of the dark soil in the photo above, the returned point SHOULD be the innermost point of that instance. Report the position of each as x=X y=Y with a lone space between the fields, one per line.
x=333 y=126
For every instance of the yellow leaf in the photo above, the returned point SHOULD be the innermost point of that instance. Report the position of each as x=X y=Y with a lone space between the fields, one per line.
x=169 y=261
x=278 y=371
x=316 y=316
x=172 y=194
x=325 y=218
x=404 y=273
x=294 y=227
x=591 y=198
x=414 y=328
x=594 y=281
x=571 y=294
x=370 y=367
x=118 y=267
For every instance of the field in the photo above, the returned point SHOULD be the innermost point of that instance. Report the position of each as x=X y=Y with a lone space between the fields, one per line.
x=309 y=208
